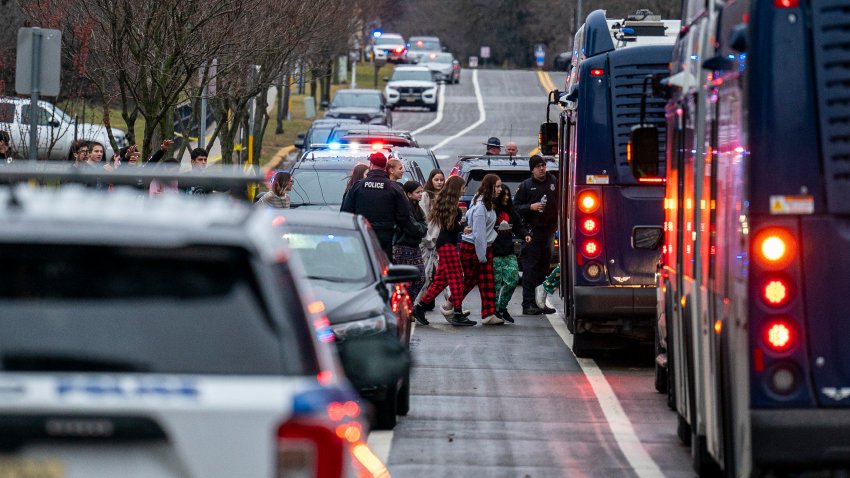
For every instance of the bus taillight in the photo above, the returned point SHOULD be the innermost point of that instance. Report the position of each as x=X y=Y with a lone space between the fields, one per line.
x=776 y=291
x=774 y=248
x=786 y=3
x=589 y=226
x=779 y=335
x=591 y=248
x=588 y=202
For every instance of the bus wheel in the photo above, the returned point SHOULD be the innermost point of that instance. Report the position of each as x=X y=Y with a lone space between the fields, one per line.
x=583 y=345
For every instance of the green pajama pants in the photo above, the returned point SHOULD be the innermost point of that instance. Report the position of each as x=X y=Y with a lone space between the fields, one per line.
x=506 y=272
x=553 y=281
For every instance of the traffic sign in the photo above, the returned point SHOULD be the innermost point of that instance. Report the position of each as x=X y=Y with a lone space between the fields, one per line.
x=39 y=49
x=473 y=62
x=539 y=55
x=485 y=52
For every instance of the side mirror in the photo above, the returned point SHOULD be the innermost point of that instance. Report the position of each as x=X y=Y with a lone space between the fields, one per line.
x=386 y=78
x=401 y=273
x=548 y=139
x=642 y=151
x=373 y=360
x=323 y=104
x=54 y=123
x=301 y=135
x=443 y=48
x=299 y=143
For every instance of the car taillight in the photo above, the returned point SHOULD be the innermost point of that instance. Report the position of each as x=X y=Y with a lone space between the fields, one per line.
x=305 y=448
x=588 y=202
x=399 y=49
x=774 y=248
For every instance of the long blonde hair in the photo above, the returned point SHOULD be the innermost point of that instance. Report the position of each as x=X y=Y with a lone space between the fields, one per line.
x=444 y=208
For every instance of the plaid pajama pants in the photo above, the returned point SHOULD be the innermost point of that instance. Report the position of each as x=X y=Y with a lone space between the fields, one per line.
x=476 y=273
x=449 y=273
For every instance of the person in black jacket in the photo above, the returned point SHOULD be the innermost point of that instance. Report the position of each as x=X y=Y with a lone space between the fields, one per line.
x=406 y=242
x=537 y=200
x=382 y=203
x=505 y=267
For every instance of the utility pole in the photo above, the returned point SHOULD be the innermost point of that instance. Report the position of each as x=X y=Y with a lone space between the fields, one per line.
x=578 y=15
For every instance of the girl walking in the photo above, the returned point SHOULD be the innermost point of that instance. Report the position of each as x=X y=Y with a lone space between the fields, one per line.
x=505 y=267
x=447 y=216
x=406 y=242
x=278 y=195
x=476 y=248
x=433 y=185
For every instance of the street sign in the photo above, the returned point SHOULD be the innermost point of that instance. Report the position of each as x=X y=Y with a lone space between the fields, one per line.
x=485 y=52
x=45 y=58
x=473 y=62
x=539 y=55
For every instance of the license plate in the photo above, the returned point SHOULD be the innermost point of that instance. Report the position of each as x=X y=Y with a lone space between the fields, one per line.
x=410 y=99
x=30 y=468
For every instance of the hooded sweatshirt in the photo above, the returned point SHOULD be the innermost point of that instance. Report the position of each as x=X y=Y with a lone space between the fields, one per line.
x=483 y=224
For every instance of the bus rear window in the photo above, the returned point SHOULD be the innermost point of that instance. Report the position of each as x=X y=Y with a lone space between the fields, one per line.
x=193 y=310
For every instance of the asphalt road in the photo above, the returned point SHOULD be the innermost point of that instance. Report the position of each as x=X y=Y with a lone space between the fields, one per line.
x=512 y=400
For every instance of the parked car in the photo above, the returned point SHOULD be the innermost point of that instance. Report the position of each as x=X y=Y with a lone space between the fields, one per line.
x=56 y=129
x=390 y=47
x=443 y=66
x=320 y=176
x=320 y=131
x=362 y=296
x=177 y=325
x=511 y=170
x=376 y=140
x=423 y=157
x=366 y=106
x=422 y=45
x=371 y=134
x=411 y=86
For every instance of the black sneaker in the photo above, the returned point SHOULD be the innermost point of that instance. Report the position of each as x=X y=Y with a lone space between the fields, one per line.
x=428 y=307
x=419 y=314
x=548 y=310
x=531 y=310
x=459 y=320
x=504 y=315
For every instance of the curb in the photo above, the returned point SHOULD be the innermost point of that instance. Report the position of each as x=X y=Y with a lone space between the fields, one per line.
x=281 y=154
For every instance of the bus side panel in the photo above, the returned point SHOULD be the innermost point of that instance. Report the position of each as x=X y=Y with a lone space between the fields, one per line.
x=627 y=208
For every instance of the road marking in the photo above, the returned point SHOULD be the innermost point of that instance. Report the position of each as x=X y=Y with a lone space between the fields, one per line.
x=545 y=81
x=482 y=115
x=440 y=104
x=621 y=426
x=534 y=151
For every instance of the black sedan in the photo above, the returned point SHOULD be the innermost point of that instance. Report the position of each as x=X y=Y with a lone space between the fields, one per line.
x=362 y=294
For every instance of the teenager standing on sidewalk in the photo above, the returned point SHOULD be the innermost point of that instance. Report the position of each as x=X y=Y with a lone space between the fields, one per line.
x=446 y=214
x=505 y=267
x=476 y=248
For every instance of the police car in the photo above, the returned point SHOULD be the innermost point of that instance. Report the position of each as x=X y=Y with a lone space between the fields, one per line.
x=163 y=337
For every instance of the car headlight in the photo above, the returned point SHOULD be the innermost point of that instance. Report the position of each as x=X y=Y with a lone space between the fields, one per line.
x=391 y=91
x=360 y=328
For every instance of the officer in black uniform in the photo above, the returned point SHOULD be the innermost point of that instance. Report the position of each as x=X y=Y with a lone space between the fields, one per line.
x=380 y=201
x=537 y=200
x=494 y=146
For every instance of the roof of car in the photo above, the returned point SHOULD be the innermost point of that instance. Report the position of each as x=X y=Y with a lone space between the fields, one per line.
x=358 y=91
x=317 y=218
x=334 y=121
x=498 y=162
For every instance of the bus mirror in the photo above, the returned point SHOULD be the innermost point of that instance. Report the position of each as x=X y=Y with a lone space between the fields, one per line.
x=548 y=139
x=642 y=151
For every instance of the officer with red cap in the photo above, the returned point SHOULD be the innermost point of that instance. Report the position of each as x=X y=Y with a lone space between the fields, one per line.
x=380 y=201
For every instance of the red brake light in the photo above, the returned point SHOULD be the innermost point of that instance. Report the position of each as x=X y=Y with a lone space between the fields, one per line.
x=786 y=3
x=588 y=202
x=589 y=226
x=399 y=49
x=591 y=248
x=305 y=448
x=774 y=248
x=779 y=335
x=776 y=292
x=597 y=72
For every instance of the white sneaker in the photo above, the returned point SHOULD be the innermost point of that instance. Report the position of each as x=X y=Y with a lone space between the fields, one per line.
x=492 y=320
x=450 y=311
x=540 y=297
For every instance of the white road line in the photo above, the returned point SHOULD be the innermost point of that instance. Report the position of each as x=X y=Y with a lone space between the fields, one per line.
x=621 y=426
x=482 y=115
x=440 y=104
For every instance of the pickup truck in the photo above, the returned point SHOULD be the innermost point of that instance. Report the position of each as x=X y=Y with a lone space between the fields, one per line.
x=56 y=129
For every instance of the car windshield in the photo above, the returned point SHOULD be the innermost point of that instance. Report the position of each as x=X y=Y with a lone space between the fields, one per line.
x=184 y=310
x=510 y=179
x=439 y=58
x=389 y=40
x=336 y=258
x=411 y=75
x=319 y=134
x=424 y=45
x=318 y=186
x=357 y=100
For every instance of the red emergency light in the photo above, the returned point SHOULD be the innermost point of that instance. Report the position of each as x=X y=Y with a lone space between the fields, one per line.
x=597 y=72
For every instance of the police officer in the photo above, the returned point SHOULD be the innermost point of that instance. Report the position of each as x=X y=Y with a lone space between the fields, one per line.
x=494 y=146
x=537 y=200
x=384 y=204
